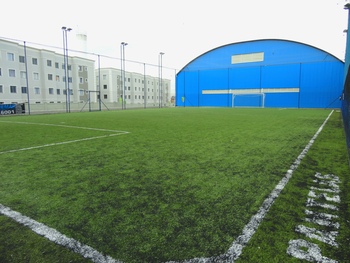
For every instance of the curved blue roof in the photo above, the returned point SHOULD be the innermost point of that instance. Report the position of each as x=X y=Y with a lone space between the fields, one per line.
x=276 y=51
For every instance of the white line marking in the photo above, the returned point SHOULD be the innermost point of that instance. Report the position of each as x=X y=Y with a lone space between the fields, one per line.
x=60 y=143
x=64 y=126
x=56 y=237
x=249 y=230
x=231 y=255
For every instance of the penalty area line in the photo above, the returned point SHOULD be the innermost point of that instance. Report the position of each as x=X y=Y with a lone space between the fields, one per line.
x=54 y=236
x=61 y=143
x=64 y=126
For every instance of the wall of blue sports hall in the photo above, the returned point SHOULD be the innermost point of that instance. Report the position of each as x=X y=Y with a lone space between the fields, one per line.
x=270 y=73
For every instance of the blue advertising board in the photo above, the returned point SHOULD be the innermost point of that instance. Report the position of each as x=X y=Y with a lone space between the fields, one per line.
x=7 y=109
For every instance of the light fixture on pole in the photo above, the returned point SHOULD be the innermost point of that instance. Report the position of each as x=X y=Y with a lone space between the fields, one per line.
x=122 y=55
x=160 y=62
x=66 y=72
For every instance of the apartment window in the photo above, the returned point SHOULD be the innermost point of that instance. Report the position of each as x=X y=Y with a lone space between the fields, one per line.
x=81 y=80
x=36 y=91
x=21 y=59
x=57 y=65
x=128 y=79
x=129 y=97
x=135 y=97
x=24 y=90
x=69 y=67
x=10 y=57
x=85 y=68
x=104 y=86
x=35 y=61
x=81 y=92
x=135 y=88
x=1 y=89
x=12 y=73
x=36 y=76
x=57 y=78
x=80 y=68
x=51 y=91
x=49 y=76
x=49 y=63
x=104 y=77
x=13 y=89
x=0 y=71
x=105 y=96
x=58 y=91
x=86 y=80
x=70 y=79
x=23 y=75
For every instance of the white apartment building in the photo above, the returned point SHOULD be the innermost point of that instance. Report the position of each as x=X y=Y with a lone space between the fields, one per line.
x=46 y=75
x=139 y=89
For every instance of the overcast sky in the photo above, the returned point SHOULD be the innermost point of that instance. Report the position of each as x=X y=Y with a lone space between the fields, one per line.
x=182 y=29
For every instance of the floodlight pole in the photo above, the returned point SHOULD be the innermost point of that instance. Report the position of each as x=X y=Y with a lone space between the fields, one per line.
x=160 y=62
x=99 y=83
x=65 y=58
x=122 y=54
x=26 y=65
x=64 y=63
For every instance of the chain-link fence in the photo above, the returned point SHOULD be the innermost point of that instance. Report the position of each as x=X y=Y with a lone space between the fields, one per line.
x=48 y=79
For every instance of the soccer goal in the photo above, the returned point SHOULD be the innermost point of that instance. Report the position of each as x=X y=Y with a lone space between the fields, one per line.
x=94 y=106
x=252 y=100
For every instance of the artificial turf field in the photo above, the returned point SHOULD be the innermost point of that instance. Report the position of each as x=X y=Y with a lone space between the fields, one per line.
x=172 y=184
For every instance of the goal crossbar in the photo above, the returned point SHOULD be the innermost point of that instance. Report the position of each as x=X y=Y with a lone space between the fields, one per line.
x=258 y=94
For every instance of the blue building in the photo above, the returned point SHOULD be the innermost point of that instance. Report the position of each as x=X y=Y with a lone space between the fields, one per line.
x=262 y=73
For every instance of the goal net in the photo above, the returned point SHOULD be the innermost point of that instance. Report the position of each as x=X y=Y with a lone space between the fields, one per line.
x=251 y=100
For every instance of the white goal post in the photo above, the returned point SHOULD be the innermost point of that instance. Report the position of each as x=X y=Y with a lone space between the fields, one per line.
x=249 y=95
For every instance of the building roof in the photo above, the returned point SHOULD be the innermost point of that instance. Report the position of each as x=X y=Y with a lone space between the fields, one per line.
x=258 y=53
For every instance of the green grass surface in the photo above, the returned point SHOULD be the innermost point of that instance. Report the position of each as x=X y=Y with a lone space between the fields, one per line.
x=182 y=184
x=328 y=155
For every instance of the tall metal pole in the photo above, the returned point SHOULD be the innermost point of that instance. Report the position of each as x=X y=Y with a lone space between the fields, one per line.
x=65 y=65
x=347 y=50
x=144 y=86
x=26 y=66
x=122 y=51
x=99 y=83
x=160 y=62
x=67 y=79
x=121 y=75
x=124 y=74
